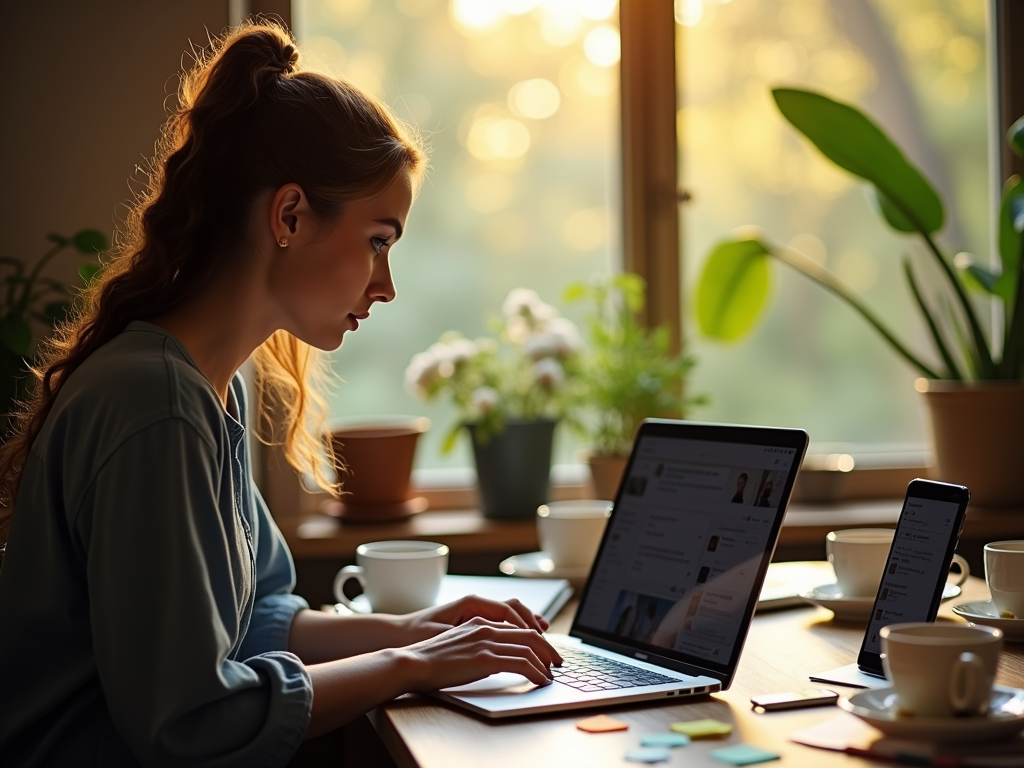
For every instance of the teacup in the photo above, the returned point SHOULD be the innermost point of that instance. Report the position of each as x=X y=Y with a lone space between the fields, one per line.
x=940 y=670
x=570 y=531
x=858 y=556
x=396 y=576
x=1004 y=572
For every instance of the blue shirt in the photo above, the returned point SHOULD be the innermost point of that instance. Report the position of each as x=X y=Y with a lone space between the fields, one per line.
x=145 y=596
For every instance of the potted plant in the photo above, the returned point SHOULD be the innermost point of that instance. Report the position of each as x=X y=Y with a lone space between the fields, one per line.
x=973 y=389
x=26 y=297
x=627 y=374
x=510 y=391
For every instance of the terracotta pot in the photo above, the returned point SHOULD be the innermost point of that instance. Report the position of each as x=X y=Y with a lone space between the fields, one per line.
x=376 y=468
x=513 y=468
x=606 y=474
x=978 y=434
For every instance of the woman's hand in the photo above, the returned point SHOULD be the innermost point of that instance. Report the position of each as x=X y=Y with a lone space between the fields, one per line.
x=432 y=621
x=478 y=647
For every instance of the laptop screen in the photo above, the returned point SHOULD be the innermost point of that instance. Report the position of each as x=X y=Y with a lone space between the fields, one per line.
x=688 y=543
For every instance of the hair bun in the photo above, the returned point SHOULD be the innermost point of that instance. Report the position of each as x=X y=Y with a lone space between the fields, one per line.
x=289 y=57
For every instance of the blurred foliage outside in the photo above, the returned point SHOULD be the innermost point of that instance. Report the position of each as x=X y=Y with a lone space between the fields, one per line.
x=518 y=100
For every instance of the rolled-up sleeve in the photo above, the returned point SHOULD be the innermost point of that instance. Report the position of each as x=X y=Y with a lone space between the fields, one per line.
x=170 y=567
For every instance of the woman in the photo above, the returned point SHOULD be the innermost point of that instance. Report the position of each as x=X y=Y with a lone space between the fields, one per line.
x=145 y=591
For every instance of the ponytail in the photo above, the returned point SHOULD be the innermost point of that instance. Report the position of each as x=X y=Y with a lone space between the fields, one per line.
x=249 y=120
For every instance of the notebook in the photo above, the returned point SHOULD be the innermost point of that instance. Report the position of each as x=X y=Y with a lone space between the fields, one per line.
x=669 y=599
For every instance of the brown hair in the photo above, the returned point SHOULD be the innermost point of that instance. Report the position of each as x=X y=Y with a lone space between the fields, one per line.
x=248 y=121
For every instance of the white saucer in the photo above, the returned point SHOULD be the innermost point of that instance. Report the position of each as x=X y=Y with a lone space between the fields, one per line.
x=855 y=608
x=879 y=708
x=984 y=612
x=538 y=565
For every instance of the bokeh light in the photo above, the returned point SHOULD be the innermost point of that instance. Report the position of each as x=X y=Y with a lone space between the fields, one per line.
x=602 y=46
x=537 y=99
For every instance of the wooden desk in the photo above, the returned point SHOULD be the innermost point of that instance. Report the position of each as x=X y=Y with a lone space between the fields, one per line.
x=781 y=650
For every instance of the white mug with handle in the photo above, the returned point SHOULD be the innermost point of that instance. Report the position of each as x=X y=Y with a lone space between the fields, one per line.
x=396 y=576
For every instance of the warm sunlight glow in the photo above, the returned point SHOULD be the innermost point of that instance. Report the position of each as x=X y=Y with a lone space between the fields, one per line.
x=585 y=229
x=489 y=192
x=493 y=138
x=689 y=12
x=598 y=10
x=536 y=99
x=602 y=45
x=477 y=14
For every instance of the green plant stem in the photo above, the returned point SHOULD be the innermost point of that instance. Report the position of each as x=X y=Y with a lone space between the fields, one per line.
x=830 y=282
x=940 y=343
x=986 y=367
x=1012 y=359
x=33 y=275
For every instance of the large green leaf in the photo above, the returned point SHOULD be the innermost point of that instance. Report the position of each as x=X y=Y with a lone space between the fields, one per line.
x=16 y=334
x=1010 y=238
x=89 y=242
x=852 y=141
x=733 y=288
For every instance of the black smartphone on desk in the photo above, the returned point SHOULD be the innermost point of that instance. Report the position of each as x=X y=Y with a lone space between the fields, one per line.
x=915 y=571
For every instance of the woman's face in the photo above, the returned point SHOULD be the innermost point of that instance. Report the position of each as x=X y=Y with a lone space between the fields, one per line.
x=331 y=273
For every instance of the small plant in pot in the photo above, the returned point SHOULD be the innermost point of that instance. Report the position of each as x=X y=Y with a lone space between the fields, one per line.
x=27 y=297
x=510 y=392
x=627 y=374
x=973 y=383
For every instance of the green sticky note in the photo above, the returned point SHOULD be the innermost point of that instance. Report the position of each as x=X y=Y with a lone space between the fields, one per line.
x=647 y=755
x=743 y=754
x=665 y=740
x=702 y=729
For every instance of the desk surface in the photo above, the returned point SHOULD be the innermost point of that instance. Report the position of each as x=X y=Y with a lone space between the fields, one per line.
x=781 y=650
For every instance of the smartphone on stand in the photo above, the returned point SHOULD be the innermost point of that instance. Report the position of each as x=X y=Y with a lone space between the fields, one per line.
x=918 y=563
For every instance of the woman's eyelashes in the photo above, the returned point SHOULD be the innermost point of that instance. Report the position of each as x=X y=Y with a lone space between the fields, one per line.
x=379 y=243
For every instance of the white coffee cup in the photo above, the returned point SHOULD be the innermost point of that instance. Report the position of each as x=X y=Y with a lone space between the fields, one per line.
x=570 y=531
x=858 y=556
x=396 y=576
x=1004 y=573
x=940 y=670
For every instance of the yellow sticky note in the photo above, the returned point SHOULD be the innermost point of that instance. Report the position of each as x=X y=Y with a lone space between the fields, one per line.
x=601 y=724
x=702 y=729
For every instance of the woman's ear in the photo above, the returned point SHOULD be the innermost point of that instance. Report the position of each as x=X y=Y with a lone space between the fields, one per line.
x=287 y=207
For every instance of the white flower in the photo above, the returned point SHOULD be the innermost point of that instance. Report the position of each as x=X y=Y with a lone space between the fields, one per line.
x=421 y=373
x=484 y=399
x=520 y=301
x=549 y=373
x=560 y=339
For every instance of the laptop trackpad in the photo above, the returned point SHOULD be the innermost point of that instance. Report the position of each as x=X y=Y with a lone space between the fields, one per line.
x=503 y=682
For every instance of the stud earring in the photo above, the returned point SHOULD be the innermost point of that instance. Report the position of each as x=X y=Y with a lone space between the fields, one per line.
x=283 y=242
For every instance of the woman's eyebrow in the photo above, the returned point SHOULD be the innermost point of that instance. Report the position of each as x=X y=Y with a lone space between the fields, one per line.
x=392 y=223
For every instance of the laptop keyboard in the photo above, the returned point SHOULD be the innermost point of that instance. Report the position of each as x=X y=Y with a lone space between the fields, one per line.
x=587 y=672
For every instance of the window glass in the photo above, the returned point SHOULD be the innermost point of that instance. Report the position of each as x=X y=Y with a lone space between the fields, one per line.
x=518 y=101
x=918 y=68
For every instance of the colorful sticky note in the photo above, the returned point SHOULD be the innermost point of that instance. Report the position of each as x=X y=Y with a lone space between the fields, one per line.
x=702 y=729
x=601 y=724
x=743 y=754
x=647 y=755
x=664 y=740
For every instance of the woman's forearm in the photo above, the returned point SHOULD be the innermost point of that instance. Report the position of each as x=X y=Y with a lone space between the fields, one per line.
x=347 y=688
x=318 y=637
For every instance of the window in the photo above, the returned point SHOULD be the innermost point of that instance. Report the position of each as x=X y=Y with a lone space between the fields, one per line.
x=518 y=100
x=919 y=69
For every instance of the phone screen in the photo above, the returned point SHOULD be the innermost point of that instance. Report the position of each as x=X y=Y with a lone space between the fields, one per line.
x=915 y=571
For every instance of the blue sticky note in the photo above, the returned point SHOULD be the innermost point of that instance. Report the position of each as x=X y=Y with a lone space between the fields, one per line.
x=665 y=740
x=647 y=755
x=743 y=754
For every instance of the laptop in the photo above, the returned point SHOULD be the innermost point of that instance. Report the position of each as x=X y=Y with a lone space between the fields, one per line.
x=670 y=596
